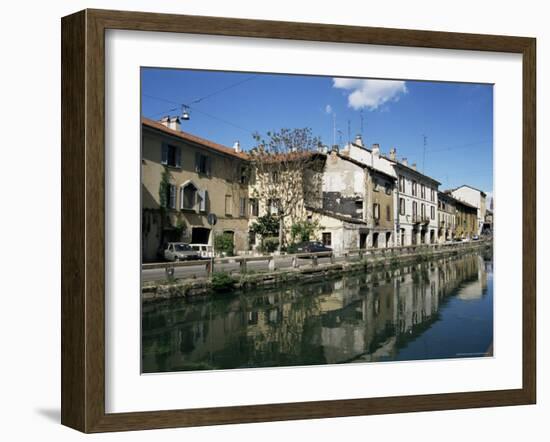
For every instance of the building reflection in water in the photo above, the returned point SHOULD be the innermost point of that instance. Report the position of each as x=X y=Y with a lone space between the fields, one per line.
x=357 y=318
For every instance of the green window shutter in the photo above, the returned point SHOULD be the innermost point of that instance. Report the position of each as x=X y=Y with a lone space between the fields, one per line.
x=164 y=158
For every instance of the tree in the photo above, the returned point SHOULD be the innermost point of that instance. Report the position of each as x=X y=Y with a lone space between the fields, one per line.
x=303 y=230
x=287 y=169
x=266 y=226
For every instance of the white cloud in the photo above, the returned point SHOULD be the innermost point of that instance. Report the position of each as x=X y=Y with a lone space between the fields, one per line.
x=328 y=109
x=370 y=94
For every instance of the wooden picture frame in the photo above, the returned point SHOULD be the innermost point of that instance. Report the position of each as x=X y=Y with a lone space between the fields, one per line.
x=83 y=220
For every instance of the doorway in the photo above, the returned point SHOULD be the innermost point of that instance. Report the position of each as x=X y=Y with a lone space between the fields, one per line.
x=375 y=240
x=200 y=235
x=363 y=240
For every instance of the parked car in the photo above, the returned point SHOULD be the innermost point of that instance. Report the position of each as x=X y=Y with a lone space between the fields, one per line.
x=179 y=251
x=312 y=247
x=475 y=238
x=205 y=250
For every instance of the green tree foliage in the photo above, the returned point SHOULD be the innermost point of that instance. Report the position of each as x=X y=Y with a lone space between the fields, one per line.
x=224 y=244
x=303 y=230
x=267 y=225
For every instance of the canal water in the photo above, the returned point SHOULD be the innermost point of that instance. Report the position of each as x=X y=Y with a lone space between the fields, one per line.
x=435 y=310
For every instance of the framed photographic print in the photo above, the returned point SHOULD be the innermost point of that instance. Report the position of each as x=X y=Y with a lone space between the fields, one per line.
x=268 y=221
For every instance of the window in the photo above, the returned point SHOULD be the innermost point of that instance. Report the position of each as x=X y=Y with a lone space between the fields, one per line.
x=171 y=155
x=402 y=206
x=388 y=189
x=203 y=164
x=402 y=184
x=376 y=211
x=432 y=195
x=273 y=205
x=433 y=212
x=242 y=207
x=359 y=207
x=327 y=238
x=228 y=205
x=188 y=195
x=414 y=188
x=376 y=186
x=275 y=176
x=244 y=175
x=422 y=191
x=415 y=209
x=254 y=207
x=423 y=211
x=388 y=213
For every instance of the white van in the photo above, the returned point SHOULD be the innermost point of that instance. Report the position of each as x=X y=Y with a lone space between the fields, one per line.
x=205 y=251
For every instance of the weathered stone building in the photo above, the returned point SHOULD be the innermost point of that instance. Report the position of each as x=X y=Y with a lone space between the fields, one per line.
x=357 y=204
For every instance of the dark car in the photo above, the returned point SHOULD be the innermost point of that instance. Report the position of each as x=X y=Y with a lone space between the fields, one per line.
x=312 y=247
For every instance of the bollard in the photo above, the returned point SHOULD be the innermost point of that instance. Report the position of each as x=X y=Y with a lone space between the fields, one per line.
x=314 y=262
x=271 y=264
x=209 y=266
x=169 y=272
x=243 y=265
x=332 y=258
x=294 y=262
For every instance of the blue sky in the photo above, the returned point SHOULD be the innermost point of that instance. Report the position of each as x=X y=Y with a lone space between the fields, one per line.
x=457 y=118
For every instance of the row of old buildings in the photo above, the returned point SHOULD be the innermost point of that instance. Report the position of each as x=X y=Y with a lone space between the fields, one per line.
x=357 y=196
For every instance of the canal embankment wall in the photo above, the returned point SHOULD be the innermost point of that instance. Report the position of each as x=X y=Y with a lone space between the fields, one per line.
x=220 y=283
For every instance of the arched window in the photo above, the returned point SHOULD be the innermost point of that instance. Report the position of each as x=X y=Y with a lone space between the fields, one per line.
x=188 y=196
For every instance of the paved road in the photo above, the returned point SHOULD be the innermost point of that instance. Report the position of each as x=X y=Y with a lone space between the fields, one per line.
x=200 y=270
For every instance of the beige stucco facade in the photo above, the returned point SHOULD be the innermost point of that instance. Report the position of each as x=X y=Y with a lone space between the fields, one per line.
x=201 y=180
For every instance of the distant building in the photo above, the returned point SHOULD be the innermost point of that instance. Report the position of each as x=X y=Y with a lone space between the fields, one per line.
x=446 y=217
x=417 y=202
x=476 y=198
x=466 y=220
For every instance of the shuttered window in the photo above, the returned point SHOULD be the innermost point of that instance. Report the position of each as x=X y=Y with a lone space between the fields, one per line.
x=376 y=211
x=203 y=164
x=202 y=198
x=242 y=207
x=171 y=155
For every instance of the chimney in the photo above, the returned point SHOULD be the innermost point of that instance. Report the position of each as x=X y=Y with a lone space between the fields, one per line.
x=404 y=162
x=171 y=123
x=359 y=140
x=393 y=154
x=413 y=166
x=335 y=148
x=376 y=149
x=237 y=147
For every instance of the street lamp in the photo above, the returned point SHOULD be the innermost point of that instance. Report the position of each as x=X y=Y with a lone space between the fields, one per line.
x=185 y=112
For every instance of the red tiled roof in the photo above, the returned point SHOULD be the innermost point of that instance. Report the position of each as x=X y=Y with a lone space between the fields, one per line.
x=193 y=139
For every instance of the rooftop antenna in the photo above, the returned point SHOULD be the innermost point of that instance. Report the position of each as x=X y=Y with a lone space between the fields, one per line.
x=361 y=116
x=333 y=128
x=339 y=137
x=424 y=154
x=349 y=132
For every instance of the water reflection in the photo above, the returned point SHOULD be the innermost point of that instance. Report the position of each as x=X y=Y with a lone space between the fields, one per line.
x=440 y=309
